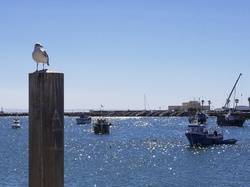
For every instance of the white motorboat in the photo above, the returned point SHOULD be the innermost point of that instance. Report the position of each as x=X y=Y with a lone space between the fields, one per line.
x=16 y=123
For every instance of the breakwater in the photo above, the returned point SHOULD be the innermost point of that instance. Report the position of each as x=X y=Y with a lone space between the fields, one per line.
x=117 y=113
x=133 y=113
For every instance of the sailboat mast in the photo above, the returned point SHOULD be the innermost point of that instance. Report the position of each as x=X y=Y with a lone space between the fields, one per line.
x=228 y=99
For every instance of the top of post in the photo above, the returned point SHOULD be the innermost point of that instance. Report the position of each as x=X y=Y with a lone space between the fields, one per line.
x=45 y=71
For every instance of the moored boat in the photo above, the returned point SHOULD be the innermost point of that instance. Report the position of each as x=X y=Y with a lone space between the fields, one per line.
x=83 y=119
x=16 y=123
x=233 y=117
x=199 y=135
x=101 y=126
x=230 y=119
x=199 y=118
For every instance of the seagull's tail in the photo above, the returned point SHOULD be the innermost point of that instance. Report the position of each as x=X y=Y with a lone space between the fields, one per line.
x=47 y=59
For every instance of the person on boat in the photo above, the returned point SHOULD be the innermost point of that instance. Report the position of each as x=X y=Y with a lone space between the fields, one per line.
x=201 y=117
x=215 y=133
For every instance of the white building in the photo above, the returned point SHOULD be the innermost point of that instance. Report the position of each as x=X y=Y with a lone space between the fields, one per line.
x=189 y=106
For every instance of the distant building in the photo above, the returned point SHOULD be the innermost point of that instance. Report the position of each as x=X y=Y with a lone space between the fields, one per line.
x=189 y=106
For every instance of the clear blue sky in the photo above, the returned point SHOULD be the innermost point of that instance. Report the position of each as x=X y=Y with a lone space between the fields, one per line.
x=114 y=52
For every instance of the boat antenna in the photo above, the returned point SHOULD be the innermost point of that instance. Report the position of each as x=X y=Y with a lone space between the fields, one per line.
x=228 y=99
x=146 y=103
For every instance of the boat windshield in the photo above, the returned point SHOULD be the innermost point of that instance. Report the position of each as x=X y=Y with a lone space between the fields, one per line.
x=198 y=129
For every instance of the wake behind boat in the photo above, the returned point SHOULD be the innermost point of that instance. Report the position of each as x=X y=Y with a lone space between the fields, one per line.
x=199 y=135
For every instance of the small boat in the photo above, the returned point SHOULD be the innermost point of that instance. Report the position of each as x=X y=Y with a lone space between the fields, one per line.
x=16 y=123
x=101 y=126
x=83 y=119
x=199 y=118
x=199 y=135
x=230 y=119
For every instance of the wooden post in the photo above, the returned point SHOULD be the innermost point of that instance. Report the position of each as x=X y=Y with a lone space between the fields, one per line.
x=46 y=129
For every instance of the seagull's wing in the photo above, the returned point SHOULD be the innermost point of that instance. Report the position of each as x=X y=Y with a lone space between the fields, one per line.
x=46 y=55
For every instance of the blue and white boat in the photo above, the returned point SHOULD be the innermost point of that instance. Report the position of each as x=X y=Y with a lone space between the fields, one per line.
x=83 y=119
x=199 y=135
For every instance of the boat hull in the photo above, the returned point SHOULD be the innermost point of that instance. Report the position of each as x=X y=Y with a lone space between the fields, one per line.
x=16 y=126
x=203 y=139
x=83 y=121
x=101 y=129
x=228 y=141
x=208 y=139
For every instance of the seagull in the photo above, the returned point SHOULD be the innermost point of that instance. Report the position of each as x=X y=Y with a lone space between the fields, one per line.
x=40 y=55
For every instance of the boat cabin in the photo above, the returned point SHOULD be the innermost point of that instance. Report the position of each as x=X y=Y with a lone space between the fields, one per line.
x=197 y=129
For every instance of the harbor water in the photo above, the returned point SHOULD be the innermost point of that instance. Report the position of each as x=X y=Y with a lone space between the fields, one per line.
x=143 y=151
